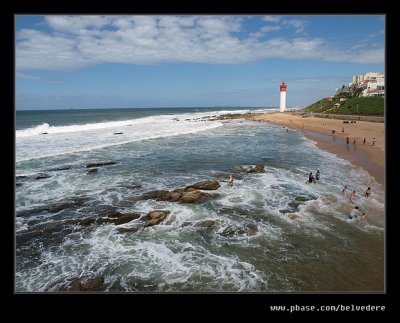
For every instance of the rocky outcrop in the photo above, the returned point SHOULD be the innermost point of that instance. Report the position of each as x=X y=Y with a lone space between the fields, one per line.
x=205 y=185
x=78 y=284
x=257 y=169
x=128 y=217
x=105 y=220
x=189 y=194
x=205 y=224
x=127 y=230
x=234 y=230
x=155 y=217
x=86 y=222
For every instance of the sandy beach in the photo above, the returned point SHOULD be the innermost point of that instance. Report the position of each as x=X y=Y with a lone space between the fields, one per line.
x=371 y=158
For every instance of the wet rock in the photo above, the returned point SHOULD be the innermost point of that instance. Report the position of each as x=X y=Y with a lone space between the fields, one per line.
x=186 y=224
x=114 y=214
x=156 y=195
x=91 y=284
x=128 y=217
x=231 y=231
x=192 y=197
x=42 y=176
x=257 y=169
x=118 y=133
x=130 y=230
x=99 y=164
x=92 y=171
x=205 y=185
x=304 y=198
x=78 y=284
x=105 y=220
x=205 y=224
x=252 y=229
x=73 y=286
x=59 y=168
x=86 y=222
x=156 y=217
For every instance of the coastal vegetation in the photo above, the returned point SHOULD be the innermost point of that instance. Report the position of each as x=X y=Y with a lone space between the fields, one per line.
x=341 y=104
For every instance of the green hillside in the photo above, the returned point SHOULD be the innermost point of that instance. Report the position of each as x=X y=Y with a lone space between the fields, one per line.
x=369 y=106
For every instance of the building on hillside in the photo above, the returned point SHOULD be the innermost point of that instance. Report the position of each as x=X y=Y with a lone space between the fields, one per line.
x=369 y=76
x=374 y=88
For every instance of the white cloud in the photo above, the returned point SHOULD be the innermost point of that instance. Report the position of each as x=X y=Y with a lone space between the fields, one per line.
x=79 y=41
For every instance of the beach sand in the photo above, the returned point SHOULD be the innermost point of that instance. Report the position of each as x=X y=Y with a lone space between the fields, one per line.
x=371 y=158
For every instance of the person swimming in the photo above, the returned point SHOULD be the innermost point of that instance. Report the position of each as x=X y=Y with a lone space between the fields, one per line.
x=231 y=180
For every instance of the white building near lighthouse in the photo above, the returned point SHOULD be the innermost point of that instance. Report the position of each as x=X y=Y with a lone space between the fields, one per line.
x=282 y=102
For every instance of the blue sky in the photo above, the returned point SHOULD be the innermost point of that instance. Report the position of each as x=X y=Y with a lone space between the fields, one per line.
x=85 y=62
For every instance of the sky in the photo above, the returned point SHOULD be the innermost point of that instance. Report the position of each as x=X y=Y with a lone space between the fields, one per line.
x=86 y=61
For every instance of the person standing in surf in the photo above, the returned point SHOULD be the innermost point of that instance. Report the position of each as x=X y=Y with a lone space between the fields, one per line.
x=231 y=180
x=317 y=174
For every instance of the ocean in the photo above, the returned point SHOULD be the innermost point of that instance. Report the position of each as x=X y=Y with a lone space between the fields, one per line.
x=270 y=232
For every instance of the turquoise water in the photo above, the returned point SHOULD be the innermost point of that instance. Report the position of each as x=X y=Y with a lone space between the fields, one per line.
x=300 y=239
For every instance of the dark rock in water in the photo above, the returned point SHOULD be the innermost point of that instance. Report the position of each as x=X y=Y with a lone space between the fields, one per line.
x=131 y=230
x=252 y=229
x=118 y=133
x=185 y=224
x=21 y=177
x=87 y=221
x=18 y=184
x=92 y=284
x=155 y=217
x=192 y=197
x=100 y=164
x=205 y=185
x=295 y=205
x=304 y=198
x=105 y=220
x=126 y=218
x=82 y=285
x=231 y=231
x=93 y=170
x=284 y=211
x=73 y=286
x=114 y=214
x=41 y=176
x=153 y=195
x=257 y=169
x=44 y=133
x=205 y=224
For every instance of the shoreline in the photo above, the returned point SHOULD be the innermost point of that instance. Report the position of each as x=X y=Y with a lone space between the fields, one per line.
x=371 y=158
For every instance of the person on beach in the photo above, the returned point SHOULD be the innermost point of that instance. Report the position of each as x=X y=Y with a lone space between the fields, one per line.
x=353 y=196
x=347 y=139
x=311 y=178
x=344 y=189
x=373 y=141
x=368 y=192
x=333 y=131
x=354 y=141
x=231 y=180
x=342 y=130
x=317 y=174
x=364 y=141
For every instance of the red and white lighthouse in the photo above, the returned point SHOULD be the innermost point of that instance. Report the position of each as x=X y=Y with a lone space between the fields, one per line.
x=282 y=102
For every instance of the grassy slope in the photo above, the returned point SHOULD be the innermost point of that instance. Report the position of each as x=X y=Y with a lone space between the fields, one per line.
x=372 y=106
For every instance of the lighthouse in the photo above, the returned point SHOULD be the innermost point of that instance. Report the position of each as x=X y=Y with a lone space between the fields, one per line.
x=282 y=102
